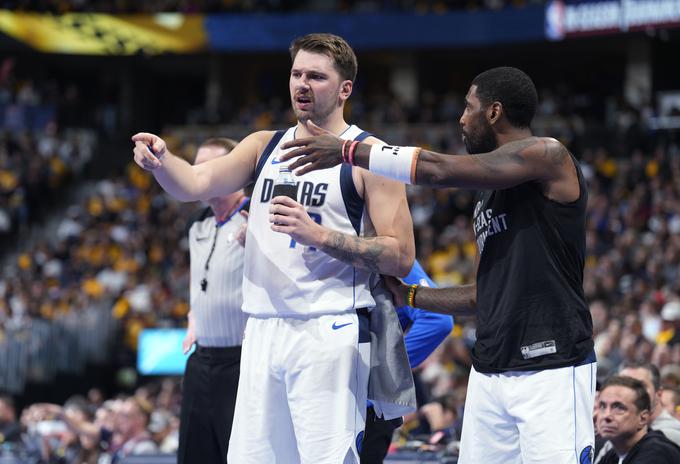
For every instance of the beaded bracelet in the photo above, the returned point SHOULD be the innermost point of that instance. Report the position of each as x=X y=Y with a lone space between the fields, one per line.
x=411 y=298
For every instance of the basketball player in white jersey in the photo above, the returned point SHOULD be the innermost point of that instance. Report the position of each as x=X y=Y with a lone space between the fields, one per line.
x=304 y=364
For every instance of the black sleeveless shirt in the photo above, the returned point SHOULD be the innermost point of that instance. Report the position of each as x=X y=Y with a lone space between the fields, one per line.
x=531 y=310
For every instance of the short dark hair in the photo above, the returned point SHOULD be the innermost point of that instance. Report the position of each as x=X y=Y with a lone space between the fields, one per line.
x=513 y=89
x=642 y=401
x=79 y=403
x=649 y=367
x=331 y=45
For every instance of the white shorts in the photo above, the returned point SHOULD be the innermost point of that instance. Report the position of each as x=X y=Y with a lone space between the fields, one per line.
x=302 y=391
x=529 y=417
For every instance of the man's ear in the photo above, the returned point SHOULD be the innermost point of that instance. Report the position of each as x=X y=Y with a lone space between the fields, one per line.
x=657 y=398
x=644 y=419
x=494 y=112
x=346 y=89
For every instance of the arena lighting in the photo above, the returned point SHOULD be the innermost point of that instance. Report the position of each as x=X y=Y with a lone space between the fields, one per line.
x=570 y=19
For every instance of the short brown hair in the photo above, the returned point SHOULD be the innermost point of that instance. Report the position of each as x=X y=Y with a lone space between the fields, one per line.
x=331 y=45
x=144 y=407
x=219 y=142
x=642 y=401
x=222 y=142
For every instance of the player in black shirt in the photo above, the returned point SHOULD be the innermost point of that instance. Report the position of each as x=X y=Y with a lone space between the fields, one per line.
x=531 y=389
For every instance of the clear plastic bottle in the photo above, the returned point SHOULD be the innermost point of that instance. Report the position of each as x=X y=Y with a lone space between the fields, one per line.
x=285 y=184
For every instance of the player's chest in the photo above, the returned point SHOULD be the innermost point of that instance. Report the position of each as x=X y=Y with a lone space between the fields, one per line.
x=320 y=189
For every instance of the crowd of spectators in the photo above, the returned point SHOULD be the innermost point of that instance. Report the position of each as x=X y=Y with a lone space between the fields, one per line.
x=121 y=245
x=19 y=97
x=37 y=159
x=91 y=429
x=217 y=6
x=34 y=167
x=118 y=244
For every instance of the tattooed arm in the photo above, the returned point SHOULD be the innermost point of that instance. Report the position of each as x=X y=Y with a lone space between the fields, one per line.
x=392 y=251
x=454 y=301
x=540 y=159
x=372 y=253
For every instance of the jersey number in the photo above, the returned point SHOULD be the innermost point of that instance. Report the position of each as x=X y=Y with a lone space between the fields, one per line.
x=317 y=218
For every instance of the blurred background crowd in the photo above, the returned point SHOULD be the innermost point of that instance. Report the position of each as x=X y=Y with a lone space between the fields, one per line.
x=94 y=252
x=217 y=6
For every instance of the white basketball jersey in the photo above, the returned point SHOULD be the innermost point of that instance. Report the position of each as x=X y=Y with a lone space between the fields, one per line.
x=284 y=278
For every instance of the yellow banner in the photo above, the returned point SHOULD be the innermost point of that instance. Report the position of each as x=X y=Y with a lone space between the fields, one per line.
x=102 y=34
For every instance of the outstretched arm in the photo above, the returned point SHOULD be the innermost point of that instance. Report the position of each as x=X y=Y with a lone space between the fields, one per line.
x=533 y=158
x=186 y=182
x=540 y=159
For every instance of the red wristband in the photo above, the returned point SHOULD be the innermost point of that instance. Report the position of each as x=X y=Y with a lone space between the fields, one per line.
x=352 y=149
x=344 y=157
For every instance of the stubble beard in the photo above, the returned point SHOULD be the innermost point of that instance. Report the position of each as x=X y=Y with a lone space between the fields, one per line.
x=481 y=141
x=318 y=116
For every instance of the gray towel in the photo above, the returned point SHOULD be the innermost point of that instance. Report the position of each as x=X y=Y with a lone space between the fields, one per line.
x=390 y=382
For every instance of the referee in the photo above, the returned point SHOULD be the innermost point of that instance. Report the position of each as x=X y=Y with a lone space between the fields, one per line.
x=216 y=322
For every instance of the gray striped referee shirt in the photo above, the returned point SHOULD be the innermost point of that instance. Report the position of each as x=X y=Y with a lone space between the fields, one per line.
x=215 y=293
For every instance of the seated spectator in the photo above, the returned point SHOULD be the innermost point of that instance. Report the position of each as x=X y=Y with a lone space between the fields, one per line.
x=660 y=419
x=130 y=431
x=670 y=328
x=439 y=420
x=670 y=376
x=10 y=431
x=623 y=416
x=442 y=416
x=670 y=401
x=92 y=430
x=48 y=438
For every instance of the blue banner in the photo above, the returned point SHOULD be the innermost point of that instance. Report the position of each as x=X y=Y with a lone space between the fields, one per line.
x=375 y=31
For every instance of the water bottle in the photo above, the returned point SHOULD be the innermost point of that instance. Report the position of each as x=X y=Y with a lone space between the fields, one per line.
x=285 y=184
